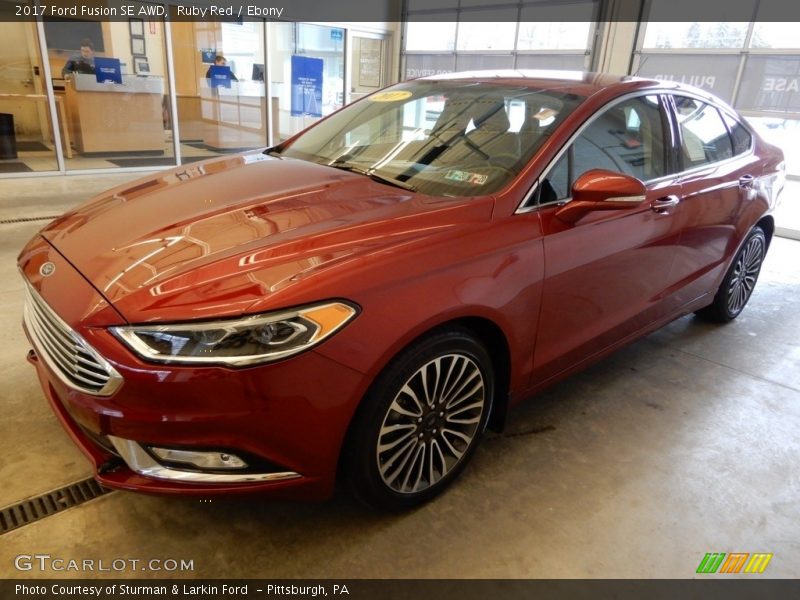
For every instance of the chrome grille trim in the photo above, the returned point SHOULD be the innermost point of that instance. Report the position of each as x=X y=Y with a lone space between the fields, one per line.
x=76 y=363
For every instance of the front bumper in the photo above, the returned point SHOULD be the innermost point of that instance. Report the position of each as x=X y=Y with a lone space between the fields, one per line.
x=302 y=448
x=288 y=418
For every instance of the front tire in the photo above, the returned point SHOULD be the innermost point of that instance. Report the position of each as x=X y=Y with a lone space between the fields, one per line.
x=420 y=422
x=740 y=280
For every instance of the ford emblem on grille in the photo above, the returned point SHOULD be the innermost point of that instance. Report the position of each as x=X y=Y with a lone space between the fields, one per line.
x=47 y=269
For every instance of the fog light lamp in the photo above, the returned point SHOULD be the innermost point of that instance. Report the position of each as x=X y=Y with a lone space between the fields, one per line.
x=201 y=460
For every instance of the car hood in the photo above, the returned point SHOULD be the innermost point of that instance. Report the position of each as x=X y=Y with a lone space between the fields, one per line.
x=223 y=237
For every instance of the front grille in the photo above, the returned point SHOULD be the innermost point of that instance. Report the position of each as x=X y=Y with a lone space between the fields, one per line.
x=75 y=362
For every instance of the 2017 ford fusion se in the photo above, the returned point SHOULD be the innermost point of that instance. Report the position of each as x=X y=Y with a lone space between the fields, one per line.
x=361 y=301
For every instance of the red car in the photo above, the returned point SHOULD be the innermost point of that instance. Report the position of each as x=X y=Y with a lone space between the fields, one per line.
x=361 y=301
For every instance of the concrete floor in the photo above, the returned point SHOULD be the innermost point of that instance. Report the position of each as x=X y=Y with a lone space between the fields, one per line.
x=685 y=442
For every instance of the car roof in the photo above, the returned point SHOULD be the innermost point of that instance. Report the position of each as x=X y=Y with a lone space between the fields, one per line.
x=582 y=83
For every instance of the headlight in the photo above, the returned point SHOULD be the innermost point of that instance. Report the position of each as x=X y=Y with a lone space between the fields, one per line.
x=246 y=341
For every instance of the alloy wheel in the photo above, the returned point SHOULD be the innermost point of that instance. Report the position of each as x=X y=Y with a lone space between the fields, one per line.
x=431 y=423
x=745 y=273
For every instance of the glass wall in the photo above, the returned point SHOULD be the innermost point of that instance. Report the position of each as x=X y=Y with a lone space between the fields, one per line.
x=306 y=75
x=111 y=78
x=219 y=85
x=107 y=87
x=27 y=142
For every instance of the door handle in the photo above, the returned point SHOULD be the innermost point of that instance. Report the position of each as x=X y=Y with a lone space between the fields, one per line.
x=746 y=182
x=660 y=205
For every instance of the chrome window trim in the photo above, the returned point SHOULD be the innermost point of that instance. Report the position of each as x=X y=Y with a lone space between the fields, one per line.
x=523 y=207
x=142 y=463
x=631 y=199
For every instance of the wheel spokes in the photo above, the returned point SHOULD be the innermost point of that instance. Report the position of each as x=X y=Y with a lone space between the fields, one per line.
x=431 y=423
x=745 y=274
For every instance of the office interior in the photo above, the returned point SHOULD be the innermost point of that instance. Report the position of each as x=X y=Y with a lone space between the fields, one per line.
x=165 y=109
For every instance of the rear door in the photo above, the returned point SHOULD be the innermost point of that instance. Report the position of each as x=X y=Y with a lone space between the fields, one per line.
x=610 y=274
x=718 y=169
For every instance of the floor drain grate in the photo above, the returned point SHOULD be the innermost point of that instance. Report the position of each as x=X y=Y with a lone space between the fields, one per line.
x=34 y=509
x=26 y=220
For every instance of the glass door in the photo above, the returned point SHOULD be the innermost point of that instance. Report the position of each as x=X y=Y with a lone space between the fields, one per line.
x=369 y=64
x=27 y=142
x=219 y=84
x=111 y=79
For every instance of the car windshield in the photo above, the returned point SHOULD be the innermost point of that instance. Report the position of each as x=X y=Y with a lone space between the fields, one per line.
x=443 y=138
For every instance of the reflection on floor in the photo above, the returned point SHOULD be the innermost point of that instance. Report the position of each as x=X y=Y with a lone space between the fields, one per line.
x=36 y=156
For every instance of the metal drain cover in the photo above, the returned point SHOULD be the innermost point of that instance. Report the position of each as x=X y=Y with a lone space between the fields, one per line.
x=37 y=508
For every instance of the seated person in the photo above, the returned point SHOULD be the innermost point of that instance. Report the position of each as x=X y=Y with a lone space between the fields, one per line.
x=220 y=61
x=82 y=62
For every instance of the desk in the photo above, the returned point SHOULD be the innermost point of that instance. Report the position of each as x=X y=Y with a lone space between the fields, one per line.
x=62 y=117
x=234 y=117
x=109 y=117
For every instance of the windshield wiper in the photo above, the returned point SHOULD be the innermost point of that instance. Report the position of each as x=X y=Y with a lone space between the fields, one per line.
x=372 y=175
x=273 y=151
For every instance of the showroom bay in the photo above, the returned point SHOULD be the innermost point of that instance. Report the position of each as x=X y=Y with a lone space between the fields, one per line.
x=681 y=444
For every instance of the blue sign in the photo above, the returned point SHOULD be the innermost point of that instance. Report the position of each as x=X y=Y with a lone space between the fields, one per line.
x=208 y=56
x=219 y=76
x=107 y=70
x=337 y=34
x=306 y=86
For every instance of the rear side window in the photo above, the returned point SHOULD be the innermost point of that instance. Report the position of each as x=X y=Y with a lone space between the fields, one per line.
x=739 y=134
x=704 y=135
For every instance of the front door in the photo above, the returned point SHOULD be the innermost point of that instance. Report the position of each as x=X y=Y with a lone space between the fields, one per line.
x=611 y=273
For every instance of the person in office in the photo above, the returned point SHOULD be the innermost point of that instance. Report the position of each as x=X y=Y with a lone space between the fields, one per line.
x=82 y=62
x=220 y=61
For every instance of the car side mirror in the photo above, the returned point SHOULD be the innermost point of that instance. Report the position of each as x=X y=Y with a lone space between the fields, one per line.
x=599 y=189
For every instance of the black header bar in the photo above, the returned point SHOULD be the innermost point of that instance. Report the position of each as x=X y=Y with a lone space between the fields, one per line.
x=398 y=589
x=404 y=10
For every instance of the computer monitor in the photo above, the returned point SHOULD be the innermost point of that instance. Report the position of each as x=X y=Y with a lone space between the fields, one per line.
x=219 y=76
x=140 y=66
x=107 y=70
x=258 y=72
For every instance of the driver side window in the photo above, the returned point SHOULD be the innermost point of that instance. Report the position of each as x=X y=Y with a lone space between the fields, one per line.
x=626 y=138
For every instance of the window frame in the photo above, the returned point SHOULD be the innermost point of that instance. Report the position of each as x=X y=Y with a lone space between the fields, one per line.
x=673 y=145
x=679 y=133
x=530 y=201
x=721 y=110
x=741 y=124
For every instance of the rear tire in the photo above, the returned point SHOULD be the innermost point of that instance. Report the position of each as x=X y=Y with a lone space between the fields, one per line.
x=421 y=421
x=740 y=280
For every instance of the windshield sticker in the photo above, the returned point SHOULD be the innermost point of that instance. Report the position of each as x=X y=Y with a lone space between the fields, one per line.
x=390 y=96
x=466 y=177
x=544 y=114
